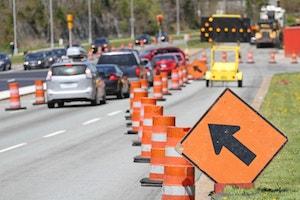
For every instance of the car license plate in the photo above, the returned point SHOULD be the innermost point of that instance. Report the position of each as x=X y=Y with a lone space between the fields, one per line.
x=68 y=85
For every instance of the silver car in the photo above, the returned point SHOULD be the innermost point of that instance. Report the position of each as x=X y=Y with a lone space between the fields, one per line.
x=73 y=80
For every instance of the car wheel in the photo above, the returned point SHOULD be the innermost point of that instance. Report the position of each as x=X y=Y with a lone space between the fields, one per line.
x=94 y=101
x=9 y=67
x=240 y=83
x=103 y=101
x=50 y=104
x=207 y=83
x=120 y=94
x=61 y=104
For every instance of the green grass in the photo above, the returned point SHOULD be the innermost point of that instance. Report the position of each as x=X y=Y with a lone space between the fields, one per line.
x=281 y=179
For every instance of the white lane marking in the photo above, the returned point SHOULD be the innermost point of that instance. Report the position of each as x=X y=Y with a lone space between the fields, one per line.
x=54 y=133
x=114 y=113
x=13 y=147
x=90 y=121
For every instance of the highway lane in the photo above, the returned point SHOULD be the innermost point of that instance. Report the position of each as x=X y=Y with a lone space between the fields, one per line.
x=81 y=152
x=25 y=78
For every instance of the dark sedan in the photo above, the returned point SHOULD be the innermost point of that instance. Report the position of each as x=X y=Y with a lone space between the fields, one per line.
x=115 y=81
x=143 y=39
x=5 y=63
x=102 y=43
x=42 y=59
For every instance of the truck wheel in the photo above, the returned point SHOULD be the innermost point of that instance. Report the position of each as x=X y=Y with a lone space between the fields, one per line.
x=240 y=83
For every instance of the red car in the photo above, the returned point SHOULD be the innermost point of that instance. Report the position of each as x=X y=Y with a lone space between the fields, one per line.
x=165 y=63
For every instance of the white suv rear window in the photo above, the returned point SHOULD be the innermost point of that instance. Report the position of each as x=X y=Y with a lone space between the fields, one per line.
x=68 y=70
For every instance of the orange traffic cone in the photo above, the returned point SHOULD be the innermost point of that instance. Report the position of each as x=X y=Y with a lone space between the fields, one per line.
x=157 y=88
x=39 y=93
x=15 y=102
x=180 y=76
x=164 y=79
x=150 y=111
x=158 y=143
x=250 y=58
x=294 y=59
x=134 y=86
x=144 y=101
x=179 y=174
x=272 y=58
x=144 y=84
x=175 y=80
x=136 y=106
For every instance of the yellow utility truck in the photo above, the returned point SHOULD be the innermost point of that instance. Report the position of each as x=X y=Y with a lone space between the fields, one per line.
x=224 y=70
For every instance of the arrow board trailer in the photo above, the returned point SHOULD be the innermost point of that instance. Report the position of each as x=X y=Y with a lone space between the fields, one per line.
x=225 y=28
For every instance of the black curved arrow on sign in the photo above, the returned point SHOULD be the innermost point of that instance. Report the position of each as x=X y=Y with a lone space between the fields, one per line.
x=222 y=135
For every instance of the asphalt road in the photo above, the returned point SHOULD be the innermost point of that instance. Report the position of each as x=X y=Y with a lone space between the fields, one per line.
x=80 y=152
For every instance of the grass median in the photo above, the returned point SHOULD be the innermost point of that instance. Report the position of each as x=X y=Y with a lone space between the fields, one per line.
x=281 y=179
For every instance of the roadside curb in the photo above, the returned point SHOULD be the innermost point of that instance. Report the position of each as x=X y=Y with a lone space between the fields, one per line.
x=261 y=93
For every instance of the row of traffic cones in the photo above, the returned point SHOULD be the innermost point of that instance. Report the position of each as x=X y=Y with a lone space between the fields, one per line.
x=15 y=99
x=158 y=137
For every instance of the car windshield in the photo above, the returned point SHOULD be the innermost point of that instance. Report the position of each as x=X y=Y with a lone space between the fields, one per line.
x=121 y=59
x=35 y=56
x=106 y=70
x=100 y=41
x=60 y=52
x=68 y=70
x=2 y=56
x=159 y=58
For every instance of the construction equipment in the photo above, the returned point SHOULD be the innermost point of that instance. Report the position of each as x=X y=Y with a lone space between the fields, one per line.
x=269 y=27
x=224 y=71
x=225 y=28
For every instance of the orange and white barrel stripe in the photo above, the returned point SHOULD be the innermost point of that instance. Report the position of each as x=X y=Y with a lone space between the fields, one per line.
x=178 y=183
x=135 y=86
x=14 y=95
x=144 y=101
x=144 y=84
x=174 y=135
x=175 y=80
x=164 y=79
x=178 y=180
x=39 y=92
x=158 y=142
x=15 y=102
x=157 y=87
x=136 y=107
x=150 y=111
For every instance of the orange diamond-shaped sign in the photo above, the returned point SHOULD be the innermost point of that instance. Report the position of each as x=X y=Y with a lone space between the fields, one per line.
x=232 y=143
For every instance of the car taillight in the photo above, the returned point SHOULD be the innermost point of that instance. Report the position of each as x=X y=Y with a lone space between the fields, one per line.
x=49 y=75
x=137 y=71
x=113 y=77
x=88 y=73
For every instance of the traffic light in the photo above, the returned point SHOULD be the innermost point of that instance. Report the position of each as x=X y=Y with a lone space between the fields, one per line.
x=70 y=19
x=159 y=19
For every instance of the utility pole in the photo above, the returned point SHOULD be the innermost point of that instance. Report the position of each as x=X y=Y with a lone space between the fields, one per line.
x=51 y=25
x=132 y=19
x=90 y=21
x=177 y=18
x=15 y=28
